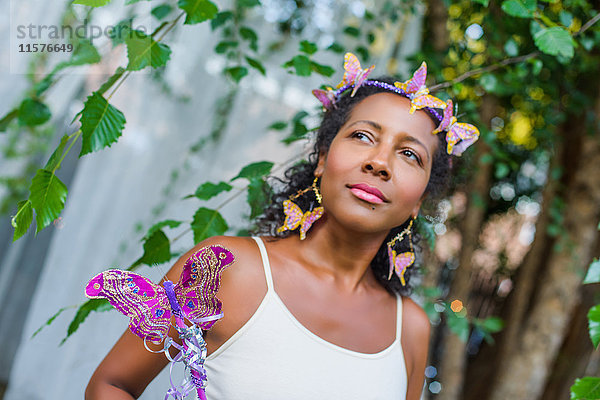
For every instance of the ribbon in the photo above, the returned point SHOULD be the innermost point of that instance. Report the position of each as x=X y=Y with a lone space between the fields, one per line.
x=192 y=351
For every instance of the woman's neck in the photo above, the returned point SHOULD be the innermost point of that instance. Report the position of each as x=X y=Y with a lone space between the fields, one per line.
x=342 y=254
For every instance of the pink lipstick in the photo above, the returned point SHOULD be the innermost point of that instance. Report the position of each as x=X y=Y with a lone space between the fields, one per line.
x=368 y=193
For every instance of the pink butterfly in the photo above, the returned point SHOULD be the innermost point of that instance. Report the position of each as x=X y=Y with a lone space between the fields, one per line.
x=399 y=263
x=294 y=218
x=459 y=135
x=326 y=97
x=418 y=93
x=147 y=304
x=354 y=74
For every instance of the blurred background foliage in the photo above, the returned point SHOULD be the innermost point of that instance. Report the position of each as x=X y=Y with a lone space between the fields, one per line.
x=511 y=285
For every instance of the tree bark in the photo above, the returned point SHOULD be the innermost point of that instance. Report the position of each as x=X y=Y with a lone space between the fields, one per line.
x=528 y=366
x=452 y=368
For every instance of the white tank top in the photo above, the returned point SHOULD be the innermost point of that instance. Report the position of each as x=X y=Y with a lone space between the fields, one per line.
x=274 y=357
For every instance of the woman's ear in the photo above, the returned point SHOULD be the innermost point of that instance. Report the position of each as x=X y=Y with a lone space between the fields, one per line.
x=321 y=163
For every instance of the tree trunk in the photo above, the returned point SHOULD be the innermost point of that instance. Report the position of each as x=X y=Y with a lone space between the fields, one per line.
x=528 y=366
x=452 y=368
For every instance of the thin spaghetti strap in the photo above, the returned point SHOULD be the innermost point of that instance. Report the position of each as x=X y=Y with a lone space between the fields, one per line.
x=398 y=316
x=265 y=261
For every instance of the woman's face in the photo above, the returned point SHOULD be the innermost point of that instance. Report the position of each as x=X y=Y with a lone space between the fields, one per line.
x=377 y=168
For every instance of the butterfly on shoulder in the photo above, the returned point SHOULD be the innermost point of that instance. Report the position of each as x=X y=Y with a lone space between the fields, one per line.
x=147 y=304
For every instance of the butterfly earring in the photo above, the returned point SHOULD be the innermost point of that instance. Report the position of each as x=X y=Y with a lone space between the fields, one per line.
x=400 y=262
x=294 y=217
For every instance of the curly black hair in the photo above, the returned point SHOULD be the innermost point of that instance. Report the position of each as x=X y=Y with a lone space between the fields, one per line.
x=301 y=176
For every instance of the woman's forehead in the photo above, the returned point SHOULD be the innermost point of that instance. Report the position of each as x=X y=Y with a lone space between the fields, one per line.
x=391 y=112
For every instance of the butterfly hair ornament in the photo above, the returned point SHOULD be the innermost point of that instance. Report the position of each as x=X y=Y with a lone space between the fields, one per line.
x=294 y=216
x=150 y=308
x=459 y=135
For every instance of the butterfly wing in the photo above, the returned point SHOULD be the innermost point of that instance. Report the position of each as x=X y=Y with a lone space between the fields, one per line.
x=360 y=79
x=308 y=219
x=293 y=216
x=200 y=280
x=351 y=69
x=144 y=302
x=402 y=262
x=426 y=100
x=462 y=135
x=326 y=97
x=448 y=113
x=415 y=83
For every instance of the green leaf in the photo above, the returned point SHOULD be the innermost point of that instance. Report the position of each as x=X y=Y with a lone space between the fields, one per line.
x=502 y=170
x=278 y=126
x=47 y=195
x=594 y=324
x=248 y=3
x=593 y=273
x=101 y=124
x=157 y=249
x=519 y=8
x=22 y=219
x=236 y=73
x=587 y=388
x=144 y=51
x=352 y=31
x=207 y=223
x=255 y=170
x=33 y=112
x=83 y=311
x=336 y=48
x=171 y=223
x=225 y=45
x=301 y=65
x=209 y=190
x=112 y=80
x=8 y=118
x=92 y=3
x=161 y=11
x=52 y=164
x=458 y=325
x=198 y=10
x=321 y=69
x=492 y=324
x=485 y=3
x=258 y=196
x=50 y=321
x=84 y=53
x=256 y=65
x=248 y=34
x=308 y=47
x=220 y=19
x=555 y=41
x=566 y=18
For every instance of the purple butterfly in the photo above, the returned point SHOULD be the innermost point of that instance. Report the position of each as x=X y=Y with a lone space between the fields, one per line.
x=418 y=93
x=459 y=135
x=354 y=74
x=326 y=97
x=399 y=263
x=147 y=304
x=294 y=218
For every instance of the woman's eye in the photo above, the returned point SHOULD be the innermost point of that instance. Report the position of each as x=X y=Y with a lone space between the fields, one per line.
x=411 y=154
x=361 y=136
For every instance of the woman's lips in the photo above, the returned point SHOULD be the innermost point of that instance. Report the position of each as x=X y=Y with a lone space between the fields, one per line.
x=368 y=193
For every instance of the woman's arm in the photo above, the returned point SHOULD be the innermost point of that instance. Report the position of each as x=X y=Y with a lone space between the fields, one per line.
x=128 y=368
x=415 y=344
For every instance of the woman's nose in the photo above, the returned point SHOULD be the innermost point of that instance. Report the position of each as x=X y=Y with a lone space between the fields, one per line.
x=377 y=165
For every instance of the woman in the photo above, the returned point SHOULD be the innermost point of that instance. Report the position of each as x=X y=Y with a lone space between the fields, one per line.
x=320 y=318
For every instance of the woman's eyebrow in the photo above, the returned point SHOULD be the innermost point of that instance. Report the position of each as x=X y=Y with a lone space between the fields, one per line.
x=365 y=121
x=413 y=139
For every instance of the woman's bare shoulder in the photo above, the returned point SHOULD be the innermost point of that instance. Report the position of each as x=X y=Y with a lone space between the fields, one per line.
x=415 y=333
